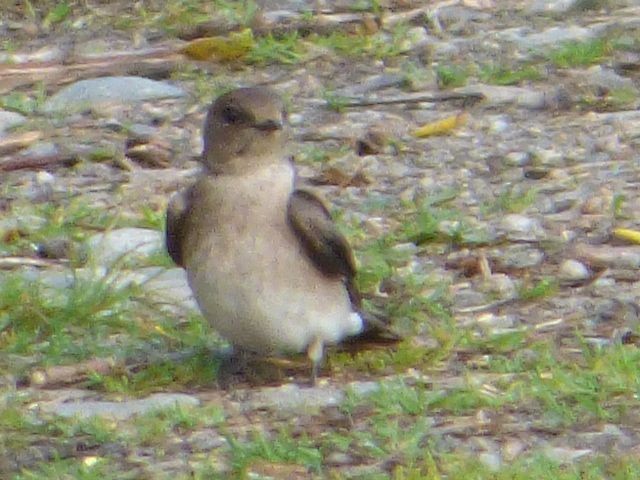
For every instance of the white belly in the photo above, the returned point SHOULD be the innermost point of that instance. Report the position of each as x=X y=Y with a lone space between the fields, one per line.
x=251 y=278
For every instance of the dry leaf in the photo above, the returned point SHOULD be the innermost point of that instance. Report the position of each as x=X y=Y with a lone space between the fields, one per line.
x=235 y=46
x=335 y=176
x=441 y=127
x=627 y=234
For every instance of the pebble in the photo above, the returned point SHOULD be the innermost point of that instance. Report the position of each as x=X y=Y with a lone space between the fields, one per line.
x=86 y=94
x=521 y=228
x=517 y=159
x=206 y=440
x=573 y=271
x=517 y=257
x=499 y=285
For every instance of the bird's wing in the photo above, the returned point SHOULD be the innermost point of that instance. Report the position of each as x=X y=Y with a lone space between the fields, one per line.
x=320 y=239
x=177 y=212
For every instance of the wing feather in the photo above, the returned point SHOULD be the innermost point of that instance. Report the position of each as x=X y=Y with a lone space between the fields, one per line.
x=323 y=243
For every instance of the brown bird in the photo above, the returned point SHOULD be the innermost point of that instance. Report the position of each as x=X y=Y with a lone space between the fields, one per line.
x=267 y=266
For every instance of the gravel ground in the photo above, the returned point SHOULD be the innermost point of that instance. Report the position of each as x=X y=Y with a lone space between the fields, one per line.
x=499 y=246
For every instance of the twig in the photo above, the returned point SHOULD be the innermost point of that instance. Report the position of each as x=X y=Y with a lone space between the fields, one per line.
x=61 y=374
x=471 y=97
x=156 y=63
x=17 y=142
x=12 y=262
x=40 y=162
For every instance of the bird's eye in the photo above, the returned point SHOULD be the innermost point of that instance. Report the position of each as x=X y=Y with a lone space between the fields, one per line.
x=231 y=115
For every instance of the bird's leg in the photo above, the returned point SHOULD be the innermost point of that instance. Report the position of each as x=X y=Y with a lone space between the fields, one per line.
x=315 y=351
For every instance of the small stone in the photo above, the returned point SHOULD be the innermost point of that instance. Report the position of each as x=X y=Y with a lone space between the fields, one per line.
x=499 y=124
x=9 y=120
x=492 y=321
x=516 y=257
x=40 y=150
x=206 y=440
x=607 y=79
x=520 y=227
x=517 y=159
x=500 y=285
x=55 y=248
x=573 y=271
x=491 y=460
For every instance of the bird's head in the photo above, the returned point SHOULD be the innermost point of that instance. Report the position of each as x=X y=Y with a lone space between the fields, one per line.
x=245 y=127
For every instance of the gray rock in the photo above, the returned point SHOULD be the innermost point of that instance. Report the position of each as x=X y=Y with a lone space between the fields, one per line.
x=467 y=297
x=551 y=6
x=517 y=257
x=566 y=455
x=377 y=82
x=499 y=285
x=517 y=159
x=608 y=256
x=522 y=228
x=123 y=244
x=87 y=93
x=491 y=321
x=291 y=397
x=121 y=410
x=9 y=120
x=40 y=149
x=606 y=78
x=167 y=286
x=498 y=96
x=491 y=460
x=206 y=440
x=550 y=37
x=573 y=271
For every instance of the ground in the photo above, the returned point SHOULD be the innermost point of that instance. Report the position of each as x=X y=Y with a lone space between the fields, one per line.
x=480 y=156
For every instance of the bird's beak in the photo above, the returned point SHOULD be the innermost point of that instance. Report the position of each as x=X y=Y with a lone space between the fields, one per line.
x=268 y=125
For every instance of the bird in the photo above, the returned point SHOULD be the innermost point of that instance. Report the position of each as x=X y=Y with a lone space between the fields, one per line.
x=267 y=265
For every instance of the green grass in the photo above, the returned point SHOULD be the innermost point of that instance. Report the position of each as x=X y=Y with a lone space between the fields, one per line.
x=511 y=199
x=379 y=45
x=282 y=447
x=24 y=103
x=286 y=50
x=500 y=75
x=451 y=76
x=580 y=54
x=546 y=287
x=74 y=219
